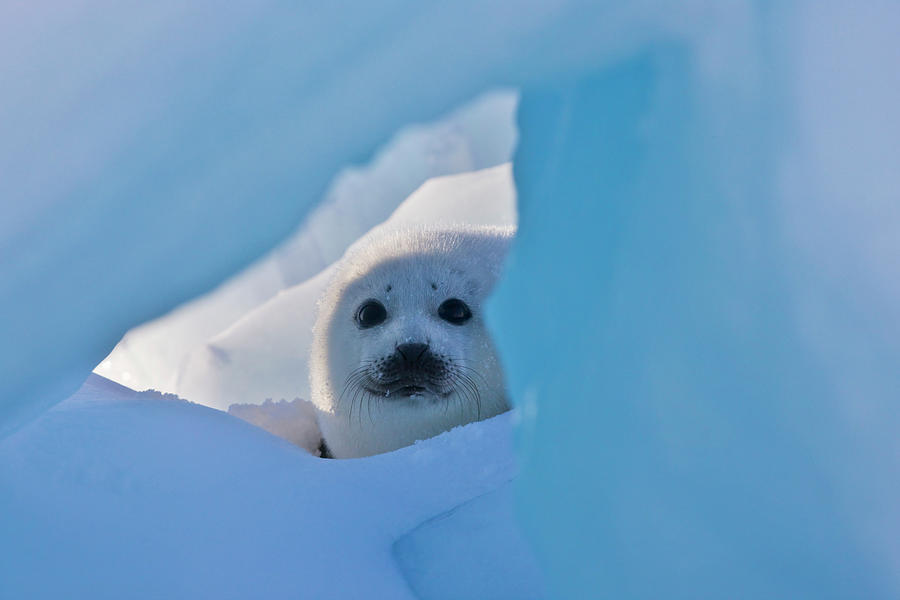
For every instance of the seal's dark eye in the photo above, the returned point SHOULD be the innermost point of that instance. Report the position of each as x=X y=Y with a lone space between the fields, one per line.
x=371 y=313
x=455 y=311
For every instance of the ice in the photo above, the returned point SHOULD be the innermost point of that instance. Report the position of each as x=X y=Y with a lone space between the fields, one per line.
x=700 y=320
x=702 y=326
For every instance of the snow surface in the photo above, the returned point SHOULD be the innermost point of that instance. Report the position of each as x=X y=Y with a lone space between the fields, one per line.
x=455 y=555
x=123 y=494
x=293 y=420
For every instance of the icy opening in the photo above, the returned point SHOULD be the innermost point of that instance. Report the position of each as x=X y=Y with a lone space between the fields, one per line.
x=243 y=347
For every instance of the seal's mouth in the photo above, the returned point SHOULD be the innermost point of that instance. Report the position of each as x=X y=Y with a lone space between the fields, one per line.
x=403 y=389
x=411 y=390
x=435 y=381
x=411 y=372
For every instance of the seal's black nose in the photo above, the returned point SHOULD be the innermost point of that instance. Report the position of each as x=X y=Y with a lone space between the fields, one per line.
x=411 y=353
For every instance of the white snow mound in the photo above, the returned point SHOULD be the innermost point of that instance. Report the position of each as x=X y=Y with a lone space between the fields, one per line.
x=123 y=494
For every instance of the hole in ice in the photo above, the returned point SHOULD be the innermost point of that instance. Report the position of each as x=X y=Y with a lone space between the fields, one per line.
x=261 y=318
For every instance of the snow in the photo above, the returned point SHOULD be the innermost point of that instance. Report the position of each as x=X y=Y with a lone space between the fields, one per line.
x=475 y=551
x=263 y=355
x=116 y=493
x=294 y=421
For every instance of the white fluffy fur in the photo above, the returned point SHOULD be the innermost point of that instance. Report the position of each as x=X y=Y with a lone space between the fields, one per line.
x=463 y=262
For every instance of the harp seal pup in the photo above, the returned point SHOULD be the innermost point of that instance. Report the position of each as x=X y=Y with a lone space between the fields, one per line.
x=400 y=351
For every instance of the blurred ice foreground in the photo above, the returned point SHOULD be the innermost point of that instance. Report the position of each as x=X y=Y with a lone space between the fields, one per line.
x=123 y=494
x=702 y=316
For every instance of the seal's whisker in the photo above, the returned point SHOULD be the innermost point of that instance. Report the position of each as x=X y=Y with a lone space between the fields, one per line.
x=359 y=399
x=469 y=383
x=355 y=389
x=352 y=385
x=475 y=393
x=471 y=370
x=461 y=391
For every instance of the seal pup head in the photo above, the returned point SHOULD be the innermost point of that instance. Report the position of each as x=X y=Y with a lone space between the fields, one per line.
x=400 y=351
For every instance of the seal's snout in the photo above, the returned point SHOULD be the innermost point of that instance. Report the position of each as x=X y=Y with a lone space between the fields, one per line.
x=411 y=353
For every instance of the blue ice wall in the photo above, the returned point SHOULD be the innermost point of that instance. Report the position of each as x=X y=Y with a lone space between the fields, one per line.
x=696 y=423
x=702 y=314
